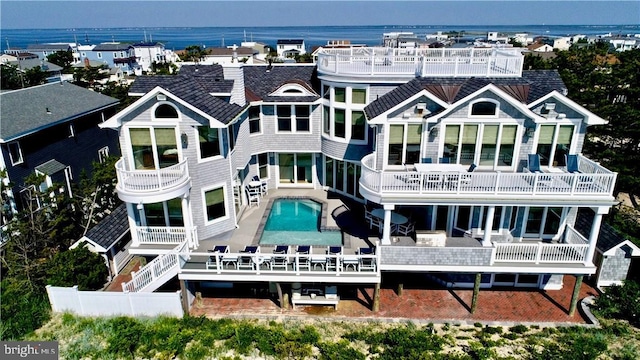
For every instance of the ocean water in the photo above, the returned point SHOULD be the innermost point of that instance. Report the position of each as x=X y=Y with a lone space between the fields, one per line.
x=180 y=37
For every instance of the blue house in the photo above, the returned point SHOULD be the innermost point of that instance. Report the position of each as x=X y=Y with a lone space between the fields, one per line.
x=115 y=55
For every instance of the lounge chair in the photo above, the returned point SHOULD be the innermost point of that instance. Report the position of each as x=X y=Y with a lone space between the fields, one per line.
x=534 y=163
x=304 y=261
x=280 y=261
x=572 y=163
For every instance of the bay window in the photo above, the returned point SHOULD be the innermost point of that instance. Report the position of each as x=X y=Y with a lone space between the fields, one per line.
x=358 y=125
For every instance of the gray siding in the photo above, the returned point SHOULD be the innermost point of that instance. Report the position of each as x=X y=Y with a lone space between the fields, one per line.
x=400 y=255
x=615 y=268
x=235 y=73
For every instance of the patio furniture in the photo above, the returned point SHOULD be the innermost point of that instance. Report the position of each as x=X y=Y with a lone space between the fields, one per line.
x=367 y=263
x=332 y=261
x=280 y=261
x=405 y=229
x=253 y=195
x=572 y=163
x=264 y=185
x=304 y=261
x=534 y=163
x=219 y=250
x=245 y=261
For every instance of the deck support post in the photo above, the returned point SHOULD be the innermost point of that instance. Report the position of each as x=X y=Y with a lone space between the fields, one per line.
x=575 y=295
x=280 y=299
x=376 y=298
x=184 y=294
x=400 y=288
x=476 y=291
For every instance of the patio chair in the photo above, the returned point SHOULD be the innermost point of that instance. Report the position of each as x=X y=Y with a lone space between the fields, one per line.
x=367 y=263
x=280 y=261
x=304 y=261
x=264 y=185
x=444 y=160
x=534 y=163
x=572 y=163
x=332 y=262
x=252 y=196
x=245 y=261
x=405 y=229
x=218 y=250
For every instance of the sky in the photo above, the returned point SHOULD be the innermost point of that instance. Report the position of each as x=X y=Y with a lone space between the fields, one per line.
x=24 y=14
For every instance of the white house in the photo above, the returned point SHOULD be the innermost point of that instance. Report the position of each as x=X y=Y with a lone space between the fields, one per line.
x=463 y=167
x=288 y=48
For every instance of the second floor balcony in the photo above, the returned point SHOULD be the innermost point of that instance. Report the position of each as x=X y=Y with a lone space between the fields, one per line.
x=593 y=183
x=153 y=185
x=442 y=62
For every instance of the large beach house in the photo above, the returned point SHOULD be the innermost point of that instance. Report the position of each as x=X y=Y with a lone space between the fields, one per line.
x=453 y=165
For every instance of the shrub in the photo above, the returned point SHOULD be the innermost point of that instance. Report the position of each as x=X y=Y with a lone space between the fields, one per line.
x=23 y=310
x=124 y=337
x=621 y=302
x=77 y=266
x=519 y=329
x=339 y=351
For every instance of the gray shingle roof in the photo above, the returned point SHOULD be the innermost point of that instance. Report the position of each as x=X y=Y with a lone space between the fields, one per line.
x=25 y=111
x=608 y=237
x=51 y=167
x=49 y=47
x=45 y=66
x=108 y=231
x=195 y=84
x=112 y=47
x=290 y=42
x=528 y=88
x=260 y=82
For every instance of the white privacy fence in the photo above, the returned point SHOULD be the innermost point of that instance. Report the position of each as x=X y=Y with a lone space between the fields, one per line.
x=107 y=303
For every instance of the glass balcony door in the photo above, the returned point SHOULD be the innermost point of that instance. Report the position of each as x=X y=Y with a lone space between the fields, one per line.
x=153 y=148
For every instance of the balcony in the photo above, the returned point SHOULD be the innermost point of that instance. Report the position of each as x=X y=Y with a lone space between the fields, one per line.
x=149 y=186
x=159 y=237
x=593 y=184
x=404 y=63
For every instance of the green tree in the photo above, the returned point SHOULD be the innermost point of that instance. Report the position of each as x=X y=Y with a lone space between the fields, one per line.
x=77 y=266
x=87 y=76
x=63 y=59
x=11 y=77
x=35 y=76
x=193 y=53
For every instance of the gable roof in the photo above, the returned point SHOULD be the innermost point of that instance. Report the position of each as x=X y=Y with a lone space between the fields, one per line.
x=194 y=84
x=111 y=229
x=261 y=81
x=24 y=111
x=526 y=89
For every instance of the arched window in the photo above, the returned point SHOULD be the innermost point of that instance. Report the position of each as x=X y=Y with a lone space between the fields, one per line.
x=484 y=108
x=166 y=111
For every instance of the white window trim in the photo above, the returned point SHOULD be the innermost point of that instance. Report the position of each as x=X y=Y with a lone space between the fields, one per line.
x=259 y=122
x=155 y=107
x=481 y=222
x=494 y=116
x=540 y=234
x=196 y=135
x=404 y=142
x=204 y=203
x=478 y=146
x=156 y=158
x=348 y=106
x=554 y=143
x=16 y=161
x=293 y=119
x=103 y=154
x=267 y=166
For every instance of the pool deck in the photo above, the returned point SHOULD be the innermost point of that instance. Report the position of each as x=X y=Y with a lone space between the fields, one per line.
x=356 y=232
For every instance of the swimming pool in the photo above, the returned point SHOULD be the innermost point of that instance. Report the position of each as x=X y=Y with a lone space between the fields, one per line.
x=297 y=222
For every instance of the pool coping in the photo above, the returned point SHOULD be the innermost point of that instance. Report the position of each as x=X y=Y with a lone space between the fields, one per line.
x=323 y=216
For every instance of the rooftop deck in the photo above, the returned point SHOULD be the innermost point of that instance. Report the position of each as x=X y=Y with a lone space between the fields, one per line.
x=442 y=62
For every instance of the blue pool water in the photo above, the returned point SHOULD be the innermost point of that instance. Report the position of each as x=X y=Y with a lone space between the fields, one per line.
x=297 y=222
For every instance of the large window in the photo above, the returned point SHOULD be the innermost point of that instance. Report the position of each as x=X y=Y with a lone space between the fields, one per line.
x=340 y=94
x=358 y=96
x=302 y=118
x=284 y=118
x=554 y=142
x=543 y=222
x=153 y=148
x=214 y=204
x=295 y=168
x=294 y=118
x=358 y=125
x=254 y=120
x=339 y=123
x=488 y=144
x=168 y=213
x=209 y=141
x=404 y=143
x=263 y=165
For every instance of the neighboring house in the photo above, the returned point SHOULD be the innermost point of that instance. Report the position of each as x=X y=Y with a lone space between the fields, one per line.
x=223 y=56
x=459 y=153
x=5 y=58
x=147 y=53
x=623 y=43
x=44 y=50
x=53 y=71
x=110 y=238
x=494 y=36
x=52 y=130
x=523 y=38
x=115 y=54
x=562 y=43
x=289 y=48
x=540 y=47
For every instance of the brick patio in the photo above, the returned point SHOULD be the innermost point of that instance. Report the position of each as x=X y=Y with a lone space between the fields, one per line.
x=424 y=304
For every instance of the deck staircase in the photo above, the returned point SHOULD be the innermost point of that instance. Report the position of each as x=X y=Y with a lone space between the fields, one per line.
x=157 y=272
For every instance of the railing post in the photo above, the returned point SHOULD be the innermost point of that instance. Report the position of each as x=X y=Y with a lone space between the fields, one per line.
x=538 y=253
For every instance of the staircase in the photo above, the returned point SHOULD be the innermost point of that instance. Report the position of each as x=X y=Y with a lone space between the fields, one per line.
x=156 y=273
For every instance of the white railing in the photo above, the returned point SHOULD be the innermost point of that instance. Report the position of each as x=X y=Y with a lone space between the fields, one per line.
x=422 y=62
x=145 y=181
x=572 y=236
x=539 y=253
x=159 y=267
x=599 y=182
x=166 y=235
x=298 y=264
